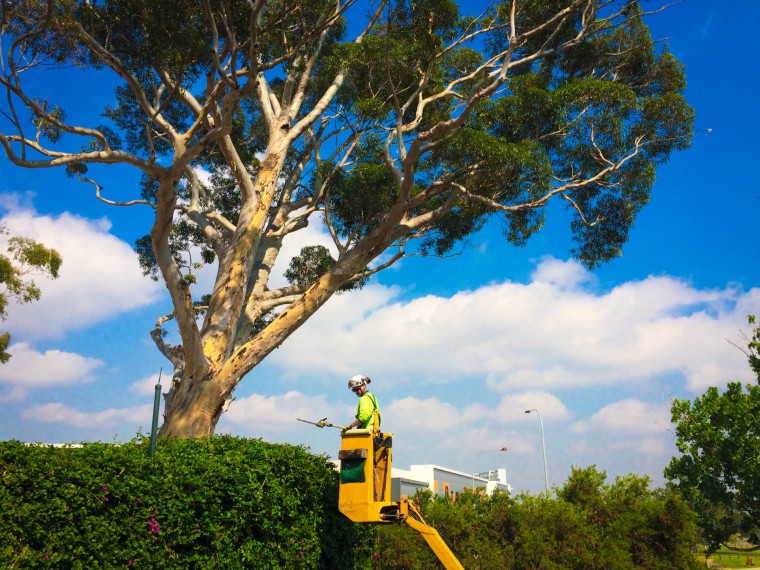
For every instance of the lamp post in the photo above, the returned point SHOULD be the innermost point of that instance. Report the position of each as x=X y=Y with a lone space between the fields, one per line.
x=473 y=461
x=543 y=448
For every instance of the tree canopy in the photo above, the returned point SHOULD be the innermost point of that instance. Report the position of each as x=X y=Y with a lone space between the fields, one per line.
x=24 y=257
x=401 y=126
x=718 y=471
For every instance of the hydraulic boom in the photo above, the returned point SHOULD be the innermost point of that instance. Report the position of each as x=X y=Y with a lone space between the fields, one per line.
x=365 y=488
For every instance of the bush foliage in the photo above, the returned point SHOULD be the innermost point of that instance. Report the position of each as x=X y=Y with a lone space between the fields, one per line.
x=220 y=502
x=590 y=525
x=226 y=502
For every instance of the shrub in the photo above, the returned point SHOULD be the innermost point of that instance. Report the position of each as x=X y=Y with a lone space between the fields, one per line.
x=590 y=525
x=220 y=502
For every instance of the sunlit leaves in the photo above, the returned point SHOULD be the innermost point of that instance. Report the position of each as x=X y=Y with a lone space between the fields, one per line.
x=24 y=257
x=718 y=471
x=48 y=126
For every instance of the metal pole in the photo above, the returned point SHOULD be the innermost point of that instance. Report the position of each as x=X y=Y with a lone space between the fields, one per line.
x=154 y=425
x=543 y=448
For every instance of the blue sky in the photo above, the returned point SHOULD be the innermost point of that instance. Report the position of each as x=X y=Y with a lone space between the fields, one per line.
x=457 y=348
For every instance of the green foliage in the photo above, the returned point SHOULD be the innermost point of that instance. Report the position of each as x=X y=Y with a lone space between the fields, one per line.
x=226 y=502
x=25 y=257
x=563 y=115
x=313 y=261
x=591 y=525
x=48 y=126
x=219 y=502
x=753 y=345
x=562 y=118
x=5 y=340
x=718 y=471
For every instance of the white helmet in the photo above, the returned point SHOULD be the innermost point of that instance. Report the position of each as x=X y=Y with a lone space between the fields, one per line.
x=358 y=381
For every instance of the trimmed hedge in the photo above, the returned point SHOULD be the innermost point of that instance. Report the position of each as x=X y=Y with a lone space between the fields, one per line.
x=219 y=502
x=226 y=502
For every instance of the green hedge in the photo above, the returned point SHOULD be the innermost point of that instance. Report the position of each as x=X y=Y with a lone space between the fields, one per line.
x=221 y=502
x=226 y=502
x=589 y=525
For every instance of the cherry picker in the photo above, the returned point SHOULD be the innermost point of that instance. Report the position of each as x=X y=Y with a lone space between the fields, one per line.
x=365 y=488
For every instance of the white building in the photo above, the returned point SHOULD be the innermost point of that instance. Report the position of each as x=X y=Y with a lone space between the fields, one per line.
x=443 y=481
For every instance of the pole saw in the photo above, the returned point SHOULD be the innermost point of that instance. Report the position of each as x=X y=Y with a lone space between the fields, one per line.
x=321 y=423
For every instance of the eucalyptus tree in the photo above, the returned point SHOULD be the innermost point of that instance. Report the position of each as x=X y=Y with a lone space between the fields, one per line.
x=400 y=125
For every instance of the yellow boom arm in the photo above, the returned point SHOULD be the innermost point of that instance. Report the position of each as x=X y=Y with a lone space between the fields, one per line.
x=431 y=536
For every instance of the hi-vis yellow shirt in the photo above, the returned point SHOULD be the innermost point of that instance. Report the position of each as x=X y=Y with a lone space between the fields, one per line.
x=366 y=411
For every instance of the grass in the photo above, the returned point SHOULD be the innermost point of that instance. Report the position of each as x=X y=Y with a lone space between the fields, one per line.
x=733 y=559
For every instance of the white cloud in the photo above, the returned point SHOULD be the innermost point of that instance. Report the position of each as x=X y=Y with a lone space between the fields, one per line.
x=29 y=369
x=655 y=447
x=430 y=415
x=430 y=427
x=147 y=386
x=513 y=405
x=257 y=413
x=106 y=420
x=99 y=279
x=628 y=417
x=550 y=333
x=563 y=274
x=641 y=451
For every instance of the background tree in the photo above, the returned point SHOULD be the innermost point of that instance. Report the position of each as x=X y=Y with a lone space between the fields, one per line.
x=718 y=471
x=24 y=257
x=404 y=140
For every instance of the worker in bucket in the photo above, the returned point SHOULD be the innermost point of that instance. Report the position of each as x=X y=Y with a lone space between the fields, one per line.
x=368 y=411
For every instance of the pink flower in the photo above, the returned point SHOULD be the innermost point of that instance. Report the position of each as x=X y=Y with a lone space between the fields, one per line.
x=154 y=528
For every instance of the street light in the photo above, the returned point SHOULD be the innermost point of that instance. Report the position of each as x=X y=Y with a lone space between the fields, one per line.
x=543 y=448
x=473 y=461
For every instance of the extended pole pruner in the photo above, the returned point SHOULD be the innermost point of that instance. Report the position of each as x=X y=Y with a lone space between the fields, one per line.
x=321 y=423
